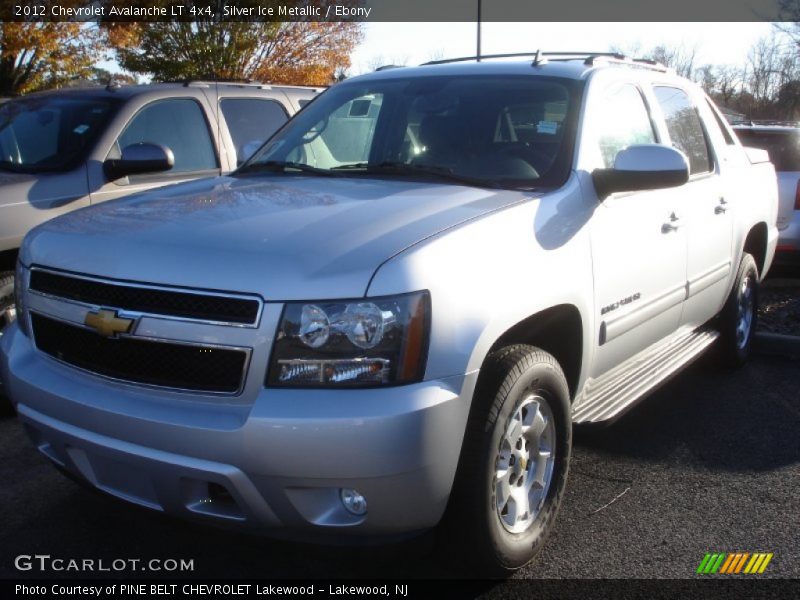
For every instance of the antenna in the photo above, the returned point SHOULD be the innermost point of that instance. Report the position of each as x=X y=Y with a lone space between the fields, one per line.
x=478 y=49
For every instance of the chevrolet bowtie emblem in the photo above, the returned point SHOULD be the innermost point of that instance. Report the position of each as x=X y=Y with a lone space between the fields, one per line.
x=107 y=323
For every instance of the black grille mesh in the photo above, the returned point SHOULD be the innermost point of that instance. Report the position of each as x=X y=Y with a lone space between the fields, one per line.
x=161 y=302
x=141 y=361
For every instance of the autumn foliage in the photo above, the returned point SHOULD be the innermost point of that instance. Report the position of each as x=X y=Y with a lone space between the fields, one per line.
x=40 y=55
x=297 y=53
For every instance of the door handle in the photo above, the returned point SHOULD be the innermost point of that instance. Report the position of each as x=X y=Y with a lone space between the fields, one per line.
x=667 y=227
x=671 y=224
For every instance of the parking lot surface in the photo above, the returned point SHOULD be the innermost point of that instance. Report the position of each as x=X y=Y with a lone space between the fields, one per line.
x=710 y=463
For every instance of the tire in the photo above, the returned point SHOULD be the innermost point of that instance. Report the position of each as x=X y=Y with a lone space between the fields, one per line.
x=6 y=305
x=493 y=531
x=6 y=297
x=739 y=316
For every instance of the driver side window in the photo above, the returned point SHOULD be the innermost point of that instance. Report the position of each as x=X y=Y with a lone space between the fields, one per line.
x=178 y=124
x=622 y=121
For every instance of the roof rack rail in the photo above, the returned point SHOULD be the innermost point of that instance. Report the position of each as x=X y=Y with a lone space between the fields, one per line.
x=389 y=67
x=246 y=82
x=589 y=58
x=210 y=81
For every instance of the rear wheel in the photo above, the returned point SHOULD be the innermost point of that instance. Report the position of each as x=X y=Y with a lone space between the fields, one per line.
x=737 y=322
x=514 y=465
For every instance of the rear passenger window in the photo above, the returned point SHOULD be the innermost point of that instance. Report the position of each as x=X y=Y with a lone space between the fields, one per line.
x=685 y=128
x=623 y=121
x=252 y=122
x=178 y=124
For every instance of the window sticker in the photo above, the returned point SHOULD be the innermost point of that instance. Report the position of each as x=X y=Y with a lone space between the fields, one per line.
x=548 y=127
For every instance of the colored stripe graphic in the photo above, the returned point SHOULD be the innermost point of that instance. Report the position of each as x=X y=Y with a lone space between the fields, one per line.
x=752 y=563
x=718 y=564
x=728 y=562
x=734 y=563
x=740 y=564
x=703 y=563
x=764 y=564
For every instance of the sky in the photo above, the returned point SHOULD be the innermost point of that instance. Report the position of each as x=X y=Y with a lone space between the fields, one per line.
x=414 y=43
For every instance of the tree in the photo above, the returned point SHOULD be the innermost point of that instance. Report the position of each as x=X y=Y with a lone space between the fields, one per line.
x=36 y=56
x=297 y=53
x=680 y=58
x=790 y=15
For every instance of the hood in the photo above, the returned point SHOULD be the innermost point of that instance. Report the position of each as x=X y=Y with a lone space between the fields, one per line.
x=281 y=236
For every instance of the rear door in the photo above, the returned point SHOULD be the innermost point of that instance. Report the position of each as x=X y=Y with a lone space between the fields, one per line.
x=704 y=208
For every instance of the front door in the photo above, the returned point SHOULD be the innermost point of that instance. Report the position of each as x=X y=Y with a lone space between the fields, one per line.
x=638 y=242
x=181 y=125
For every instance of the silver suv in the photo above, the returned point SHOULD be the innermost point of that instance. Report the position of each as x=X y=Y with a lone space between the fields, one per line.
x=66 y=149
x=391 y=316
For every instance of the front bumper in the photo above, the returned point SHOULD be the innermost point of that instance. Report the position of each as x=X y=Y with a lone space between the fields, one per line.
x=276 y=465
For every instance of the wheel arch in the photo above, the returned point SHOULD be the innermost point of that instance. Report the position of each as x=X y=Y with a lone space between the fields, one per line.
x=557 y=330
x=755 y=244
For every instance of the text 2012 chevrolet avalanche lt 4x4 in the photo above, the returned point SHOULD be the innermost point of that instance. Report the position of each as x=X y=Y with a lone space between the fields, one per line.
x=392 y=315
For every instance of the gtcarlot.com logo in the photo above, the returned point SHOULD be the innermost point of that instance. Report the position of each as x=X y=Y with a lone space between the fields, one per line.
x=734 y=563
x=45 y=562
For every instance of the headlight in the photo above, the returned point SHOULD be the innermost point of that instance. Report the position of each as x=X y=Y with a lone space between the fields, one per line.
x=341 y=343
x=19 y=288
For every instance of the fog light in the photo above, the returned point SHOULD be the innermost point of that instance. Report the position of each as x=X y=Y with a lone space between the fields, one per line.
x=353 y=502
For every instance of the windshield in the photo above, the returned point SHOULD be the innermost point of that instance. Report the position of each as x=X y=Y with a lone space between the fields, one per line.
x=782 y=146
x=49 y=133
x=494 y=131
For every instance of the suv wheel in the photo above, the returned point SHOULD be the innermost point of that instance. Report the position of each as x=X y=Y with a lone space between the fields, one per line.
x=7 y=310
x=514 y=464
x=737 y=323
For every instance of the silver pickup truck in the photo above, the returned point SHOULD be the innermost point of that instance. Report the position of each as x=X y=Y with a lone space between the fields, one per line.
x=66 y=149
x=391 y=316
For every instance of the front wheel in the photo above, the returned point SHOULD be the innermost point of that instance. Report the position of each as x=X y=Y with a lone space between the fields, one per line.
x=7 y=309
x=7 y=314
x=737 y=322
x=513 y=468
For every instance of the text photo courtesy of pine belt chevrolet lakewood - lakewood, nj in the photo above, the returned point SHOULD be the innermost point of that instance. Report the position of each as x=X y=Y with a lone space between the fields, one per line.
x=292 y=316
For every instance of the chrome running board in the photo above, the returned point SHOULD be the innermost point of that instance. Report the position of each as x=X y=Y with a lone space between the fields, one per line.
x=610 y=395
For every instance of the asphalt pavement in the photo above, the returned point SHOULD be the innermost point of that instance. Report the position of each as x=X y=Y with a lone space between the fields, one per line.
x=710 y=463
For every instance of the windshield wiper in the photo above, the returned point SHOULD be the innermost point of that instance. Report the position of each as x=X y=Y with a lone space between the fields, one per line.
x=401 y=168
x=280 y=166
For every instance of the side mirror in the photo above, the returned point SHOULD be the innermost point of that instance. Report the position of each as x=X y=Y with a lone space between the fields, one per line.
x=139 y=158
x=642 y=167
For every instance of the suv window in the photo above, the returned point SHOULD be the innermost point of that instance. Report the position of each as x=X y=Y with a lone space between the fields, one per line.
x=180 y=125
x=495 y=131
x=49 y=133
x=251 y=121
x=783 y=146
x=685 y=128
x=623 y=121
